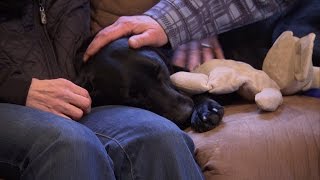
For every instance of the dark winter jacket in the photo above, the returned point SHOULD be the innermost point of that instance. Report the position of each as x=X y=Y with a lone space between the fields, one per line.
x=42 y=41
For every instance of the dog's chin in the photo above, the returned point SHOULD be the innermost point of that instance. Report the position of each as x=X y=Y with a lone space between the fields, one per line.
x=181 y=119
x=179 y=113
x=176 y=109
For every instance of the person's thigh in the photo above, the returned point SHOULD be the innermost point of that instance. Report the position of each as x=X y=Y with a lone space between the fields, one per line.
x=41 y=145
x=142 y=144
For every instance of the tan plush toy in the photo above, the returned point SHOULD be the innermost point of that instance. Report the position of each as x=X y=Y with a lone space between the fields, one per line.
x=287 y=68
x=289 y=63
x=221 y=76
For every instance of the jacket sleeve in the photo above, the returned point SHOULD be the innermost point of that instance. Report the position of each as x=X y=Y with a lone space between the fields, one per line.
x=14 y=84
x=185 y=20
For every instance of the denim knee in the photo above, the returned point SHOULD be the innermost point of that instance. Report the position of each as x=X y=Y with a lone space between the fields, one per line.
x=127 y=124
x=41 y=145
x=163 y=136
x=142 y=144
x=37 y=130
x=75 y=137
x=158 y=149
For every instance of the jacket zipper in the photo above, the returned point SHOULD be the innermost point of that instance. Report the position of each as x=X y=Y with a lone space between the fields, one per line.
x=43 y=16
x=51 y=55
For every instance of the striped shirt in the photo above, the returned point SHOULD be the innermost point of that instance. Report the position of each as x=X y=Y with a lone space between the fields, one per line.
x=185 y=20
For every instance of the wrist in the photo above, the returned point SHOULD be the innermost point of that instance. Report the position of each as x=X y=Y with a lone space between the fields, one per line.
x=159 y=13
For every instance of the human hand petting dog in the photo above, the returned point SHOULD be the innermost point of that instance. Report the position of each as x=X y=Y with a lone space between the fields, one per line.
x=190 y=55
x=145 y=30
x=60 y=97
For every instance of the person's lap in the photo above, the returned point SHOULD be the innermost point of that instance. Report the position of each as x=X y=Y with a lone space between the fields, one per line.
x=135 y=139
x=142 y=143
x=33 y=142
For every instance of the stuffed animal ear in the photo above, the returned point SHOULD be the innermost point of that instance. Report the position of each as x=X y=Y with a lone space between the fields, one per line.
x=303 y=63
x=192 y=83
x=289 y=62
x=277 y=64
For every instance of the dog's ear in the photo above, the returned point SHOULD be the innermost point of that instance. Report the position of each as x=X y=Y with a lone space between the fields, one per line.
x=163 y=56
x=149 y=61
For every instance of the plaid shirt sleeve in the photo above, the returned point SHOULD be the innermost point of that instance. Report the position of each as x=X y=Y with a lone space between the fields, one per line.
x=184 y=20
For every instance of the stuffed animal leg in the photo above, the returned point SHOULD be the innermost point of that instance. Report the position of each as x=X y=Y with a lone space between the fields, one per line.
x=220 y=76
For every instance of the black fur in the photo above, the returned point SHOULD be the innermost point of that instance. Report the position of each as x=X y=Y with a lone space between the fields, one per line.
x=120 y=75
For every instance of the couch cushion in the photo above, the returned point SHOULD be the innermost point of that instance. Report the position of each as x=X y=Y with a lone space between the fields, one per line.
x=105 y=12
x=251 y=144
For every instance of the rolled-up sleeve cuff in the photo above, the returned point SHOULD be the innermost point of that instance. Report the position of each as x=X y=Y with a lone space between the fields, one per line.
x=15 y=90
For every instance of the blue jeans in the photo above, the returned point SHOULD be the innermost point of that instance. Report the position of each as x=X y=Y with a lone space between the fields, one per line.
x=113 y=142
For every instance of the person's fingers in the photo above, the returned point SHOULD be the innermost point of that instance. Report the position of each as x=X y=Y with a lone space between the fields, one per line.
x=144 y=39
x=59 y=96
x=80 y=102
x=60 y=114
x=77 y=96
x=194 y=55
x=207 y=54
x=69 y=110
x=219 y=53
x=206 y=49
x=147 y=31
x=76 y=89
x=180 y=56
x=217 y=49
x=106 y=36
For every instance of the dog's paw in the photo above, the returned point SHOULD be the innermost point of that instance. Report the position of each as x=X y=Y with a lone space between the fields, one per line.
x=206 y=115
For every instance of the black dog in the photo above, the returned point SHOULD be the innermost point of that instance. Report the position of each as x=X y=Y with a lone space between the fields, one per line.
x=120 y=75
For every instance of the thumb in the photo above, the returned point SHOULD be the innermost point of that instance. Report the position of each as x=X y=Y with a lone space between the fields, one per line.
x=140 y=40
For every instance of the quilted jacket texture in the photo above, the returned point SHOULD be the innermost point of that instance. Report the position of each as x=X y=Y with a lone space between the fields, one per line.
x=43 y=42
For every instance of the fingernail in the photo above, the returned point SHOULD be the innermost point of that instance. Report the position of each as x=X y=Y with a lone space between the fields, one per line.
x=85 y=58
x=88 y=110
x=133 y=43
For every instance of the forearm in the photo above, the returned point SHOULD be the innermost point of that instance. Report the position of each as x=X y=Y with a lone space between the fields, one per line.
x=184 y=20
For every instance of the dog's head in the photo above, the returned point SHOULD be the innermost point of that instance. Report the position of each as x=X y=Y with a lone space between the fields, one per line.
x=140 y=78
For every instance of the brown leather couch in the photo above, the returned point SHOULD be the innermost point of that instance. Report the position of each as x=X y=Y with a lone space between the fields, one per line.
x=249 y=144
